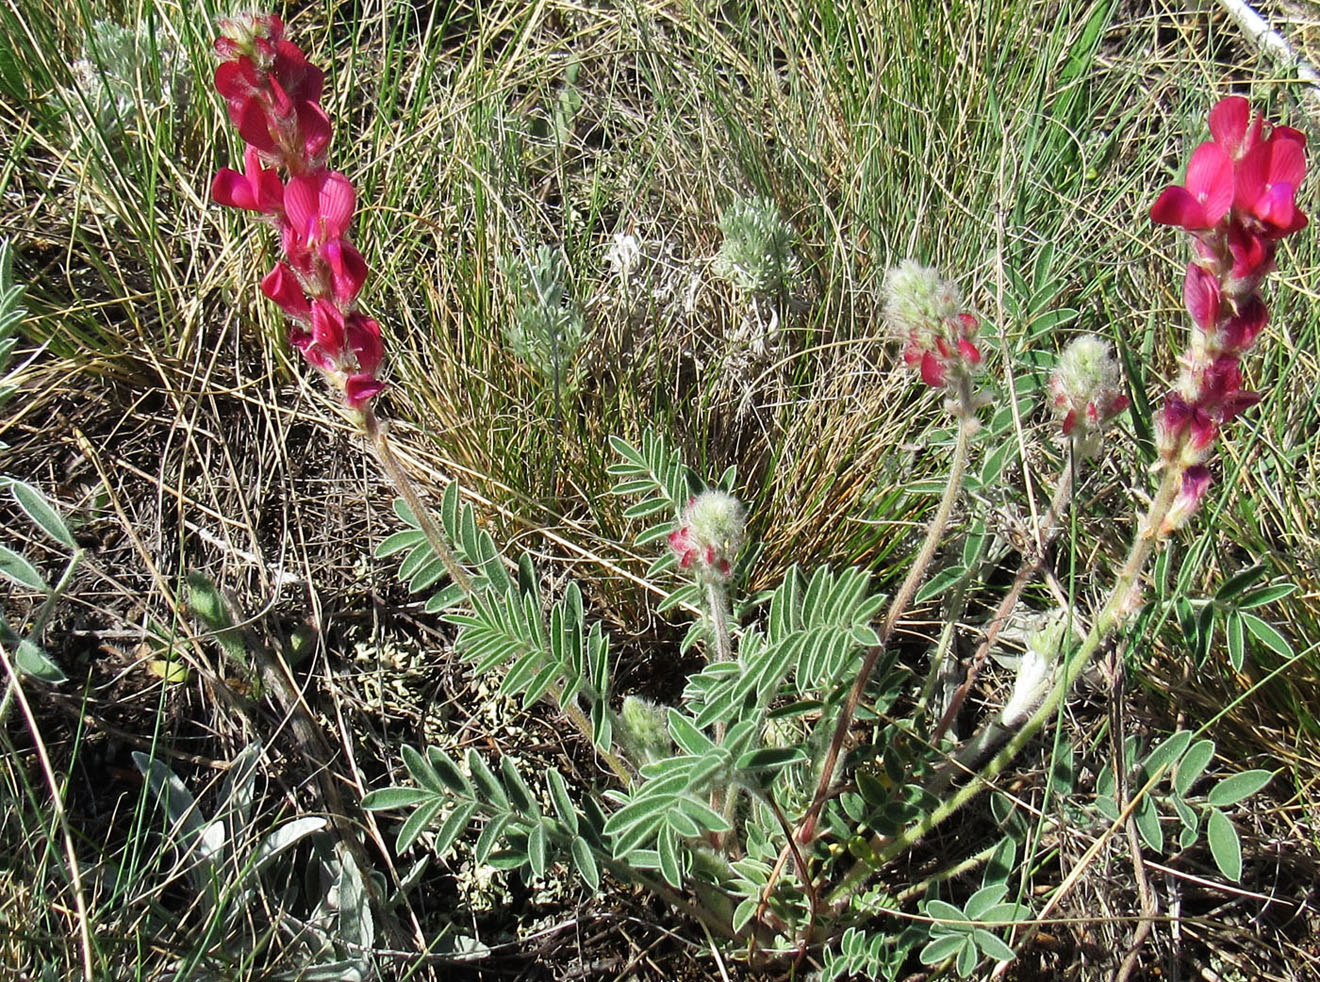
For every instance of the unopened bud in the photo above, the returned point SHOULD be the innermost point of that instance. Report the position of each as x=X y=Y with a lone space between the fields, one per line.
x=711 y=536
x=923 y=310
x=1086 y=391
x=917 y=298
x=645 y=729
x=251 y=34
x=1195 y=483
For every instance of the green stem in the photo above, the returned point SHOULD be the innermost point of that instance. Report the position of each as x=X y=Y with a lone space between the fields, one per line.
x=967 y=425
x=380 y=443
x=722 y=799
x=1028 y=570
x=717 y=610
x=1113 y=613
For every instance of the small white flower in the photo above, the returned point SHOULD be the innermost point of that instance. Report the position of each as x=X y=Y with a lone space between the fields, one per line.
x=623 y=254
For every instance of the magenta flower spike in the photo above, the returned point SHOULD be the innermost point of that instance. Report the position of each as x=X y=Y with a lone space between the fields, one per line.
x=272 y=95
x=1238 y=200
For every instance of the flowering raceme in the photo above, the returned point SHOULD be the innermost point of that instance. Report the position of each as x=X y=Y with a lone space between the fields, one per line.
x=1238 y=201
x=1086 y=393
x=273 y=98
x=924 y=310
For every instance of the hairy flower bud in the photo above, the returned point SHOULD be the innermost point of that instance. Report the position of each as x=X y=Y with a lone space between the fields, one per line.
x=644 y=729
x=917 y=298
x=1196 y=482
x=923 y=310
x=713 y=531
x=1086 y=391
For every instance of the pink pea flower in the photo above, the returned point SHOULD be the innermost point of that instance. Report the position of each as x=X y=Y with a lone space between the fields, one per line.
x=257 y=189
x=1207 y=196
x=1233 y=126
x=1259 y=167
x=1267 y=181
x=272 y=95
x=281 y=285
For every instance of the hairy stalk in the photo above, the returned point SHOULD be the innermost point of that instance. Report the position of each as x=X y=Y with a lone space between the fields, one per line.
x=717 y=610
x=993 y=734
x=380 y=443
x=722 y=799
x=916 y=573
x=1048 y=532
x=578 y=719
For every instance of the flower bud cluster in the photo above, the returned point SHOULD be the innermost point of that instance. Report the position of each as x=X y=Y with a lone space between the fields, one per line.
x=1237 y=203
x=924 y=311
x=710 y=536
x=273 y=98
x=1086 y=391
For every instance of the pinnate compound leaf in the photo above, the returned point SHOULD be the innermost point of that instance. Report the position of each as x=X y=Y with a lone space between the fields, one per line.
x=1186 y=814
x=1233 y=789
x=421 y=770
x=983 y=899
x=562 y=800
x=1237 y=640
x=454 y=825
x=447 y=771
x=1167 y=752
x=519 y=793
x=490 y=834
x=745 y=911
x=941 y=910
x=399 y=541
x=688 y=736
x=1266 y=595
x=1148 y=824
x=42 y=513
x=671 y=864
x=417 y=823
x=1268 y=635
x=705 y=816
x=1224 y=845
x=1233 y=587
x=1192 y=765
x=490 y=788
x=769 y=758
x=537 y=849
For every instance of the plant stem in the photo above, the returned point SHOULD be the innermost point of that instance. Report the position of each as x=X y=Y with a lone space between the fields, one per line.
x=722 y=799
x=717 y=609
x=1110 y=617
x=916 y=573
x=380 y=443
x=1028 y=570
